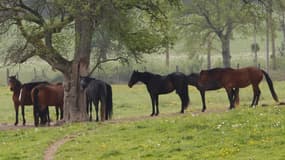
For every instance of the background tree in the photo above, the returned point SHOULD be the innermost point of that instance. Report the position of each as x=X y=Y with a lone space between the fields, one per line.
x=220 y=17
x=39 y=21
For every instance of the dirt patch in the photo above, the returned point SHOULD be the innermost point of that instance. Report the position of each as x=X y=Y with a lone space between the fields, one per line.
x=51 y=150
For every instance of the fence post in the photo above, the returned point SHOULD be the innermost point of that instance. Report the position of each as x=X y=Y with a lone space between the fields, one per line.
x=259 y=65
x=7 y=75
x=238 y=66
x=177 y=68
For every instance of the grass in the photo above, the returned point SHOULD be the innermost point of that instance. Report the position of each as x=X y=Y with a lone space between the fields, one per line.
x=244 y=133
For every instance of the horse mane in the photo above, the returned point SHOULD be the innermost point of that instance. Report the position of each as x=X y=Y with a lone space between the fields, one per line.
x=31 y=85
x=215 y=70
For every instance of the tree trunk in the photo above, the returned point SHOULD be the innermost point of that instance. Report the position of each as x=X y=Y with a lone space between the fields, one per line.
x=267 y=42
x=255 y=48
x=226 y=51
x=282 y=21
x=74 y=97
x=167 y=55
x=272 y=30
x=209 y=47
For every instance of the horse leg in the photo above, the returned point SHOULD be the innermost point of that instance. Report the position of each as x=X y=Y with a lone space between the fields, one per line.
x=23 y=114
x=153 y=105
x=61 y=112
x=202 y=93
x=96 y=109
x=16 y=111
x=156 y=103
x=182 y=102
x=236 y=95
x=47 y=115
x=56 y=112
x=230 y=97
x=102 y=109
x=258 y=96
x=254 y=96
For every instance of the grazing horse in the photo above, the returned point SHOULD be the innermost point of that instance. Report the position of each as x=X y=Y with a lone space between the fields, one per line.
x=47 y=95
x=22 y=95
x=230 y=78
x=97 y=90
x=157 y=84
x=193 y=79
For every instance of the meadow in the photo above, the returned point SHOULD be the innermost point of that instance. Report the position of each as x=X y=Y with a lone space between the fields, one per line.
x=242 y=133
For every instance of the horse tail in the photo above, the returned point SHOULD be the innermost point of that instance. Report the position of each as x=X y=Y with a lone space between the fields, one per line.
x=109 y=103
x=270 y=85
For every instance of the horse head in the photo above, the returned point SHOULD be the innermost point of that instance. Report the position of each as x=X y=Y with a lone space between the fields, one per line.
x=134 y=78
x=14 y=83
x=84 y=81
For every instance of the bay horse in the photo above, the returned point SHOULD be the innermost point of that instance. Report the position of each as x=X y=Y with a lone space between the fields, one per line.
x=157 y=84
x=230 y=78
x=45 y=95
x=22 y=95
x=97 y=90
x=193 y=79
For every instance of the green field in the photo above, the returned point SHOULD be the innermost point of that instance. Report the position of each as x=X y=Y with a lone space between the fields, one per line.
x=243 y=133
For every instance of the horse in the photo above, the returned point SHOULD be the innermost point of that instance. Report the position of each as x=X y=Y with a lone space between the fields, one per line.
x=157 y=84
x=193 y=79
x=230 y=78
x=22 y=95
x=45 y=95
x=97 y=90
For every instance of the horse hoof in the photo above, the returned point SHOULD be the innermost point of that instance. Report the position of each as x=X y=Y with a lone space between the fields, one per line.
x=152 y=115
x=156 y=114
x=203 y=110
x=16 y=123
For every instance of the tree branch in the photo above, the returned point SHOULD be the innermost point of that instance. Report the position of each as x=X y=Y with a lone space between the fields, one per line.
x=99 y=62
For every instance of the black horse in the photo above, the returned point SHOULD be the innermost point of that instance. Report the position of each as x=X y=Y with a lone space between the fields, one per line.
x=97 y=90
x=157 y=84
x=193 y=80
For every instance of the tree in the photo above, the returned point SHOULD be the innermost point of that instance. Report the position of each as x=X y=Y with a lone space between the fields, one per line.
x=39 y=21
x=220 y=17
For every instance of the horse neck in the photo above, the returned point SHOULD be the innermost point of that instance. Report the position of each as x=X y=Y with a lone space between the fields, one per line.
x=17 y=88
x=193 y=79
x=145 y=77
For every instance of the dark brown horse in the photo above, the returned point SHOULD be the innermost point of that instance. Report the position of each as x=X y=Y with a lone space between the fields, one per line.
x=157 y=84
x=230 y=78
x=21 y=95
x=193 y=79
x=47 y=95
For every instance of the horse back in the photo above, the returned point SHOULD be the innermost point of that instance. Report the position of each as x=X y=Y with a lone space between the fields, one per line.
x=26 y=89
x=245 y=76
x=49 y=94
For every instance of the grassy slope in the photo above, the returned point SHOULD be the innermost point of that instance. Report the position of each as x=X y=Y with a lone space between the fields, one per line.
x=240 y=134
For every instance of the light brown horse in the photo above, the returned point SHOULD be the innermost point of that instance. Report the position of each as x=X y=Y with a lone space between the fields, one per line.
x=47 y=95
x=230 y=78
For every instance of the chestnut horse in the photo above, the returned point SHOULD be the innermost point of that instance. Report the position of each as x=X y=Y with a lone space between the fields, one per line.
x=157 y=84
x=193 y=79
x=230 y=78
x=21 y=95
x=47 y=95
